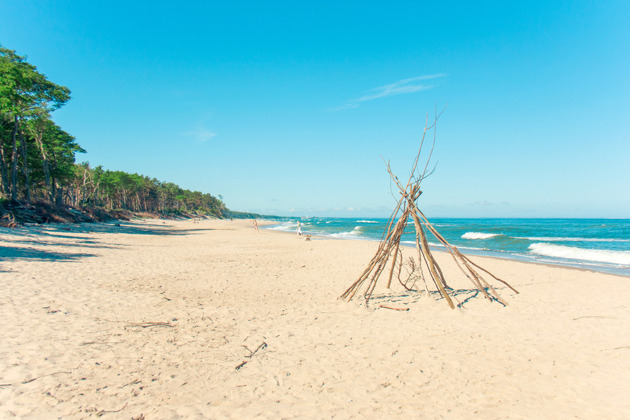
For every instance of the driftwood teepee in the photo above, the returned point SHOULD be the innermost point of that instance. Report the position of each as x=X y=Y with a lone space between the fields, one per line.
x=389 y=247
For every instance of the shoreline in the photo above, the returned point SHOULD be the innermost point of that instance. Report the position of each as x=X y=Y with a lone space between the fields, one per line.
x=212 y=319
x=479 y=255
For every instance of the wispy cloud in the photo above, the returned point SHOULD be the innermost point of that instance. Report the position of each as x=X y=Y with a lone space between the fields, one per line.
x=401 y=87
x=201 y=135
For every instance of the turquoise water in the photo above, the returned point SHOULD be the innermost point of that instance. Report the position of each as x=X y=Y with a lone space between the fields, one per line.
x=596 y=244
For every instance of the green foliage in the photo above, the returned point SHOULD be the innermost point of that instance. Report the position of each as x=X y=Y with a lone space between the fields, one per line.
x=122 y=190
x=37 y=157
x=25 y=92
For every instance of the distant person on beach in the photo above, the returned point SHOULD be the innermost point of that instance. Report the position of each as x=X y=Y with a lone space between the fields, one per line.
x=299 y=229
x=256 y=225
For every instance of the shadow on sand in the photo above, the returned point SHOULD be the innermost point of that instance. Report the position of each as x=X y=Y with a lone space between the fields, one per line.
x=28 y=254
x=461 y=297
x=74 y=236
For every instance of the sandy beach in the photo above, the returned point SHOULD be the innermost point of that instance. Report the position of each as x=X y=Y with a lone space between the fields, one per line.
x=173 y=319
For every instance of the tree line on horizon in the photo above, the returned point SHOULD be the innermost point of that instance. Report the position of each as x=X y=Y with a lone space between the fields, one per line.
x=38 y=158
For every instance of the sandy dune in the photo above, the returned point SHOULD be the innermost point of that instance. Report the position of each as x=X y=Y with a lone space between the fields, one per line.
x=153 y=318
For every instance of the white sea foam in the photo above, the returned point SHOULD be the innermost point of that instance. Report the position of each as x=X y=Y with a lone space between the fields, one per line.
x=285 y=226
x=479 y=235
x=438 y=245
x=598 y=255
x=563 y=239
x=366 y=221
x=354 y=233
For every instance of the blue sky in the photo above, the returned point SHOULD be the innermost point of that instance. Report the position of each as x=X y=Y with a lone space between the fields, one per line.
x=287 y=107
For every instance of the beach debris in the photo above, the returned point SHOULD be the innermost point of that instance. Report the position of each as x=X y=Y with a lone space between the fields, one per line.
x=619 y=348
x=392 y=308
x=134 y=382
x=8 y=220
x=101 y=413
x=389 y=247
x=593 y=316
x=251 y=354
x=148 y=324
x=28 y=381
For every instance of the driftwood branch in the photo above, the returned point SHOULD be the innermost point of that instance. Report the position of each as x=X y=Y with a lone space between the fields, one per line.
x=148 y=324
x=28 y=381
x=393 y=308
x=262 y=345
x=103 y=412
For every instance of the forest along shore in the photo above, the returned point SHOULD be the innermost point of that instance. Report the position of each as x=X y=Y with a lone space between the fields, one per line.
x=159 y=318
x=14 y=214
x=40 y=180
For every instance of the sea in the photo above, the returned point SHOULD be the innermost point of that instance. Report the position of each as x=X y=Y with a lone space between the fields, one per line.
x=596 y=244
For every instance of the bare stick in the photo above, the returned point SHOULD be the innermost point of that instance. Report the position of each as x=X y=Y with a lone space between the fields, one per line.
x=102 y=412
x=392 y=308
x=391 y=272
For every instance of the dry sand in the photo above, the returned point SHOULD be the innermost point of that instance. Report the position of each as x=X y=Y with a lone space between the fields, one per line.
x=152 y=318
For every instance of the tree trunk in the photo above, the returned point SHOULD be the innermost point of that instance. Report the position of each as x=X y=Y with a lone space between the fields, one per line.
x=5 y=173
x=59 y=195
x=53 y=190
x=95 y=197
x=25 y=167
x=14 y=161
x=84 y=188
x=45 y=164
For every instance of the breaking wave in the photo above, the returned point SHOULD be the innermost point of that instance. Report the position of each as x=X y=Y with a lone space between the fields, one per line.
x=563 y=239
x=284 y=227
x=479 y=235
x=597 y=255
x=354 y=233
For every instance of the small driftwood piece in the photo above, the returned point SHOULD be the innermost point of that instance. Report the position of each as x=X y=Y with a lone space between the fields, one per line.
x=148 y=324
x=393 y=308
x=103 y=412
x=28 y=381
x=389 y=248
x=251 y=354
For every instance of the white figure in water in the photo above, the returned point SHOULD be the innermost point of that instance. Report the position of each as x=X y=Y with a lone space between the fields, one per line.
x=299 y=229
